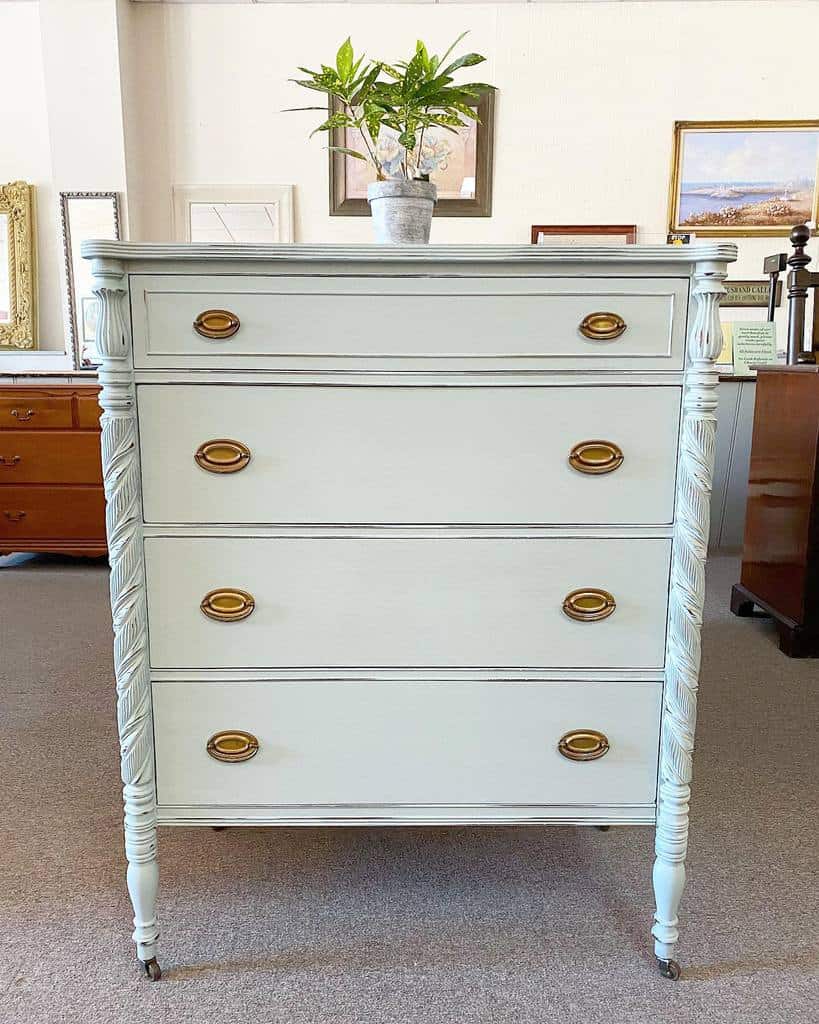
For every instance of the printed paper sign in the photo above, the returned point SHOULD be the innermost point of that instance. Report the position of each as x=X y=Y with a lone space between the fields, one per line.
x=753 y=343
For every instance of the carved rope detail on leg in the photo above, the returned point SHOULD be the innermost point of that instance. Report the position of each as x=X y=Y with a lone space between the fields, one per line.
x=687 y=594
x=123 y=521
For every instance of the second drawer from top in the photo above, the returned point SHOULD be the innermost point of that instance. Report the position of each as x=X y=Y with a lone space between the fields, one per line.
x=587 y=455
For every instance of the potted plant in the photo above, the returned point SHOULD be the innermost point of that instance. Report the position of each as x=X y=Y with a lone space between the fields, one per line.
x=391 y=106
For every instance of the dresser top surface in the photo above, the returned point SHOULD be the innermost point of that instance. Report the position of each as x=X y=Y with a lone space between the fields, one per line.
x=532 y=255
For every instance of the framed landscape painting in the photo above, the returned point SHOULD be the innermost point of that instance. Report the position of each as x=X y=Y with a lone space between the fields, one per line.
x=743 y=177
x=459 y=163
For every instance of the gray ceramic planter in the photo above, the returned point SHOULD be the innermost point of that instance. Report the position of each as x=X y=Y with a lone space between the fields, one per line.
x=402 y=210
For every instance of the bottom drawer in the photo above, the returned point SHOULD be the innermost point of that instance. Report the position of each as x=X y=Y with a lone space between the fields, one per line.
x=358 y=742
x=42 y=513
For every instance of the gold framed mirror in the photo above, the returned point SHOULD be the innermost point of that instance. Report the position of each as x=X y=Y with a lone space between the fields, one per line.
x=18 y=283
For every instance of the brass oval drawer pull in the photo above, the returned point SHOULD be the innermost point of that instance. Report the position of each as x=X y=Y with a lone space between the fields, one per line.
x=596 y=457
x=14 y=515
x=222 y=456
x=227 y=604
x=9 y=460
x=23 y=417
x=583 y=745
x=233 y=745
x=602 y=326
x=588 y=604
x=216 y=323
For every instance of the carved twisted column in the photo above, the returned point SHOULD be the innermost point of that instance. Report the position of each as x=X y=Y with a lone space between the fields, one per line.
x=120 y=461
x=696 y=468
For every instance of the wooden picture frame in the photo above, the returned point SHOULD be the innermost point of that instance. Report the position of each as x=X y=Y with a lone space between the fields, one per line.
x=480 y=205
x=626 y=232
x=736 y=205
x=18 y=328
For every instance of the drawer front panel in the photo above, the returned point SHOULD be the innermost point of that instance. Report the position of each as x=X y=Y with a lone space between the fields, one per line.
x=32 y=412
x=338 y=322
x=362 y=742
x=408 y=455
x=41 y=457
x=41 y=513
x=88 y=412
x=381 y=601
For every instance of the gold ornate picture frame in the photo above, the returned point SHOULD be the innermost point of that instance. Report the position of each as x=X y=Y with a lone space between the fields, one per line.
x=743 y=178
x=18 y=285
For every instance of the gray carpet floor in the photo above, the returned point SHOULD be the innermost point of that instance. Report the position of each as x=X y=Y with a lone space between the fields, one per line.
x=410 y=925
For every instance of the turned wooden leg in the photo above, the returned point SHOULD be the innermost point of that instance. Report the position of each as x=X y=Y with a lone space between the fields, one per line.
x=741 y=604
x=143 y=871
x=669 y=873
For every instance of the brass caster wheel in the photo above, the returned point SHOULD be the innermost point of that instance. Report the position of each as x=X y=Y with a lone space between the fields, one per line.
x=152 y=969
x=669 y=969
x=603 y=828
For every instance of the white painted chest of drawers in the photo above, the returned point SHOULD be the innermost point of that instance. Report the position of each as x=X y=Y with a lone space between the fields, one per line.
x=407 y=536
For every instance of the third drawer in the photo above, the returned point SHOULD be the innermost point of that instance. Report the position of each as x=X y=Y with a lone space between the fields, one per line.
x=349 y=601
x=409 y=454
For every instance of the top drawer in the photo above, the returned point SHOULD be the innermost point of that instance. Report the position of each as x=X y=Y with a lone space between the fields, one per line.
x=408 y=322
x=35 y=411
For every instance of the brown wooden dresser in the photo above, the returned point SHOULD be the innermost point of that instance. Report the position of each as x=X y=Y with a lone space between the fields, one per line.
x=51 y=495
x=780 y=560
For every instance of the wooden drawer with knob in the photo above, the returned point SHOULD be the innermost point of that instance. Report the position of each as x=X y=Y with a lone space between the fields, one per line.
x=51 y=494
x=41 y=513
x=37 y=457
x=347 y=601
x=21 y=411
x=277 y=454
x=436 y=742
x=276 y=322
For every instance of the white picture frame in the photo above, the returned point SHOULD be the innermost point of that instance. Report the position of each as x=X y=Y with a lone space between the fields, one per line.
x=199 y=214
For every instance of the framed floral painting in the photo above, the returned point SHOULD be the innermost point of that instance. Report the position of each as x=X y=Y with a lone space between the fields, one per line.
x=743 y=177
x=459 y=163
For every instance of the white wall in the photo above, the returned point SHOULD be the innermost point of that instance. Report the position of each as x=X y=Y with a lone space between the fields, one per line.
x=587 y=98
x=61 y=121
x=25 y=153
x=588 y=94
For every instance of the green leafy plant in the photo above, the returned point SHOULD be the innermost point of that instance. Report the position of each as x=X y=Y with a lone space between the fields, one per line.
x=408 y=97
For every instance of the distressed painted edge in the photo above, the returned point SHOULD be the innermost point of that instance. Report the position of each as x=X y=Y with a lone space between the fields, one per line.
x=531 y=254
